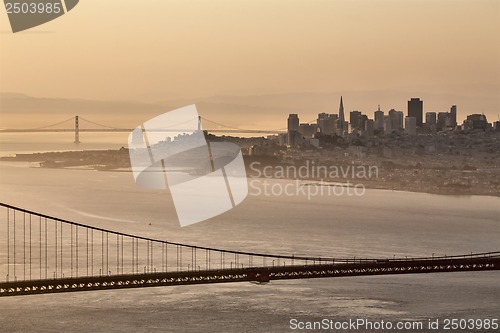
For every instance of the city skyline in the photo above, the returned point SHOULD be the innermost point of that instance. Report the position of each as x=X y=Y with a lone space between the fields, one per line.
x=415 y=122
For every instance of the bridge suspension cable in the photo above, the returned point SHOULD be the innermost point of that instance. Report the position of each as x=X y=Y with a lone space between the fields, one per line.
x=40 y=246
x=53 y=125
x=222 y=125
x=97 y=124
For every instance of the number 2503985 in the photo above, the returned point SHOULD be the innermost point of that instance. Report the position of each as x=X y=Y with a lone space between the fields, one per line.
x=33 y=8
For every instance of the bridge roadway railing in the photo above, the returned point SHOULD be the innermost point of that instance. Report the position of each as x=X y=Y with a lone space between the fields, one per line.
x=255 y=274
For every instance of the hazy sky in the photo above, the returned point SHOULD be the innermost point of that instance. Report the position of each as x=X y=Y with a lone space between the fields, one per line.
x=157 y=50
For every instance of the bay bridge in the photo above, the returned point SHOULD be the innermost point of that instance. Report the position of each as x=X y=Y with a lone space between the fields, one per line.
x=101 y=128
x=44 y=254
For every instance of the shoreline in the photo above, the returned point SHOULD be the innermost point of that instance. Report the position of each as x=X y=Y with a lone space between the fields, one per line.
x=372 y=186
x=344 y=182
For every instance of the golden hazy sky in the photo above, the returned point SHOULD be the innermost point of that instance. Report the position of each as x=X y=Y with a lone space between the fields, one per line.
x=156 y=50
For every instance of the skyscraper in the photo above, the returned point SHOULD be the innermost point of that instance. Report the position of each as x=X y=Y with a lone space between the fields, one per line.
x=397 y=120
x=416 y=110
x=431 y=122
x=308 y=130
x=453 y=116
x=379 y=120
x=293 y=122
x=387 y=125
x=341 y=122
x=410 y=125
x=430 y=119
x=355 y=120
x=369 y=128
x=293 y=128
x=327 y=123
x=476 y=121
x=443 y=121
x=362 y=122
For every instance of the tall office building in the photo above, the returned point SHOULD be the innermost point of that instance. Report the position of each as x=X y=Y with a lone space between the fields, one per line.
x=341 y=115
x=321 y=116
x=410 y=125
x=430 y=119
x=293 y=128
x=327 y=123
x=397 y=120
x=453 y=116
x=388 y=125
x=369 y=127
x=379 y=120
x=416 y=110
x=355 y=120
x=308 y=130
x=443 y=120
x=431 y=122
x=362 y=122
x=476 y=121
x=293 y=122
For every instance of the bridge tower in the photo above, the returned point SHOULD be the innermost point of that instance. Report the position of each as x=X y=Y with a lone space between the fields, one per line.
x=77 y=130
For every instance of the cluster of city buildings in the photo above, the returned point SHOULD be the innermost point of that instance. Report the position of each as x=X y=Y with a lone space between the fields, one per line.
x=381 y=124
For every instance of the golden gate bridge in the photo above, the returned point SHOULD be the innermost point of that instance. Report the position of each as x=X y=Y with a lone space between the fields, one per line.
x=45 y=254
